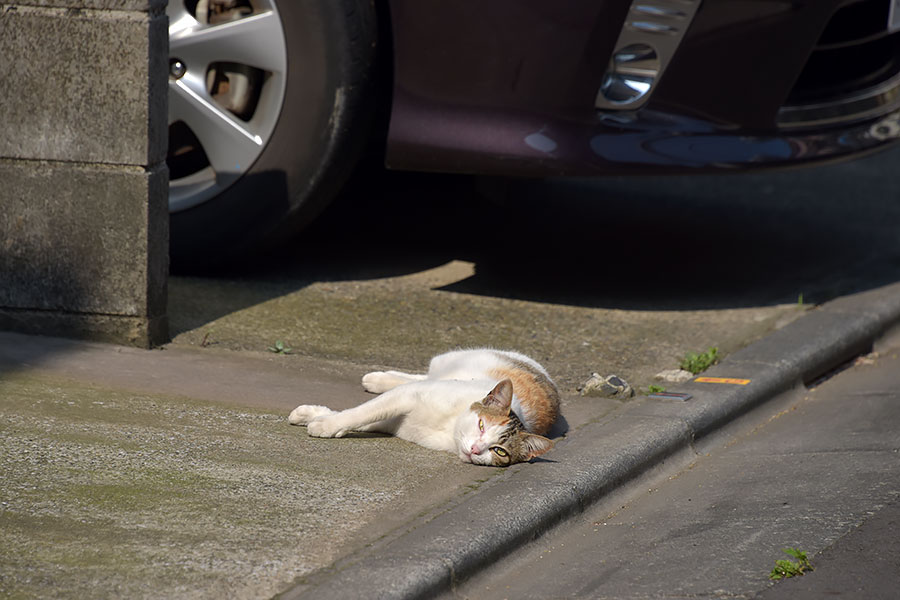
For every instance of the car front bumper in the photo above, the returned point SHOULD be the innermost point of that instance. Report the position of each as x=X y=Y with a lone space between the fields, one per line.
x=511 y=87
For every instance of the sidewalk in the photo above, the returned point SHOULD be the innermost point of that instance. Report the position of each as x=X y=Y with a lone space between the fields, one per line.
x=128 y=473
x=174 y=473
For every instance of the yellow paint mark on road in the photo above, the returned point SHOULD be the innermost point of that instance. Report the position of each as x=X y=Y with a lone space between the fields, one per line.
x=726 y=380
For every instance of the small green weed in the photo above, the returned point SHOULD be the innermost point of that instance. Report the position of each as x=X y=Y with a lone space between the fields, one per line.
x=279 y=348
x=656 y=389
x=697 y=363
x=788 y=568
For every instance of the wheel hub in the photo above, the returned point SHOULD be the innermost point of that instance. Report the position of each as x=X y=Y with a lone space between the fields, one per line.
x=227 y=81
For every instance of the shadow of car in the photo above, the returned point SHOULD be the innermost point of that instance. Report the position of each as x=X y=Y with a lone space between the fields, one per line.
x=272 y=104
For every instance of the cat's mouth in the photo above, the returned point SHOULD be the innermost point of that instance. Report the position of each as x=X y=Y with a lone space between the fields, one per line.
x=468 y=457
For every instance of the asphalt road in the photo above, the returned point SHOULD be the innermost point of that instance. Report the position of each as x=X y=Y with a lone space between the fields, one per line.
x=820 y=472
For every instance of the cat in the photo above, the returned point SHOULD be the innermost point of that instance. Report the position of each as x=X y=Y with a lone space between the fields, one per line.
x=490 y=407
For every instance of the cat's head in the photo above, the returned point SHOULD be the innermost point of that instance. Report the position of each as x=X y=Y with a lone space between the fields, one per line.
x=489 y=433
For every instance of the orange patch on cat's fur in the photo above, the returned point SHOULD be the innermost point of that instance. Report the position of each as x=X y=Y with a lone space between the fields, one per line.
x=537 y=396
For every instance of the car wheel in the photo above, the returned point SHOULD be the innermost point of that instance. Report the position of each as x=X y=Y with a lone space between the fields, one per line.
x=266 y=118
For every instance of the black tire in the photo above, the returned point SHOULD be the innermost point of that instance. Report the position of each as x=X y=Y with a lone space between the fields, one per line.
x=319 y=136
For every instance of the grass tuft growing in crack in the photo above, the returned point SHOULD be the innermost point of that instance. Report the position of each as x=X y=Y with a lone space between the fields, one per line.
x=786 y=568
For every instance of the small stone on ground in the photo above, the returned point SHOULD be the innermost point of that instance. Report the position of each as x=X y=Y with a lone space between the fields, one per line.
x=609 y=386
x=675 y=375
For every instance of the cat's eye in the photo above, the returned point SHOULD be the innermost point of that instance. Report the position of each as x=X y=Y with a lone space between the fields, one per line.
x=481 y=425
x=499 y=451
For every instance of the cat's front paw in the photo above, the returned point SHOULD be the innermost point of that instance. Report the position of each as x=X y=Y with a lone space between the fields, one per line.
x=305 y=413
x=325 y=427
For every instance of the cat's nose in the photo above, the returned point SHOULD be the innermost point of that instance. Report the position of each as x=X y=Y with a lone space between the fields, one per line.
x=476 y=449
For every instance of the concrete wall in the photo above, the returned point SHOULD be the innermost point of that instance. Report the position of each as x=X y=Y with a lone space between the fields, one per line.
x=83 y=181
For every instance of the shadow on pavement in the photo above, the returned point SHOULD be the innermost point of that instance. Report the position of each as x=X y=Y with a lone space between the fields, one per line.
x=658 y=243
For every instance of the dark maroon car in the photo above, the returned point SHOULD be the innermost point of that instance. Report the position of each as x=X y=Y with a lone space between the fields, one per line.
x=273 y=103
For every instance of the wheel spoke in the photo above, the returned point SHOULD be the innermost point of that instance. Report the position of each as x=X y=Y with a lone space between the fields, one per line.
x=179 y=18
x=254 y=41
x=229 y=144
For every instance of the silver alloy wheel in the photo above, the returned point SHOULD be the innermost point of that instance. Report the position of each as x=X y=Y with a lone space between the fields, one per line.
x=227 y=81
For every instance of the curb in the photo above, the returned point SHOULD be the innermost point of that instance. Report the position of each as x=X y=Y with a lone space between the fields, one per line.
x=597 y=458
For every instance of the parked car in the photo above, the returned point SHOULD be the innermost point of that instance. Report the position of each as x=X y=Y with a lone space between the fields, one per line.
x=272 y=103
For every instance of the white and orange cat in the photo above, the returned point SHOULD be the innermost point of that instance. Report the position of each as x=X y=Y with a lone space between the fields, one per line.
x=490 y=407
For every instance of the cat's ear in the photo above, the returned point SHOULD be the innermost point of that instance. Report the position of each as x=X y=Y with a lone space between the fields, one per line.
x=500 y=396
x=535 y=445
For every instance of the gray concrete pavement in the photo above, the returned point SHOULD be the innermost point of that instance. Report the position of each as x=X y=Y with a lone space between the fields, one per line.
x=174 y=473
x=176 y=470
x=819 y=471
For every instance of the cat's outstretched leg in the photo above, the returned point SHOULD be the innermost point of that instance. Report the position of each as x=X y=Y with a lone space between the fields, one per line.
x=378 y=382
x=368 y=416
x=305 y=413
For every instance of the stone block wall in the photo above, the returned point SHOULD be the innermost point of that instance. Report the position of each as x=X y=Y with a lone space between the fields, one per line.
x=83 y=181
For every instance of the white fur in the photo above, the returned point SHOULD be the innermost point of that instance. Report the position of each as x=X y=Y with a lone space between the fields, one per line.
x=431 y=410
x=379 y=382
x=466 y=364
